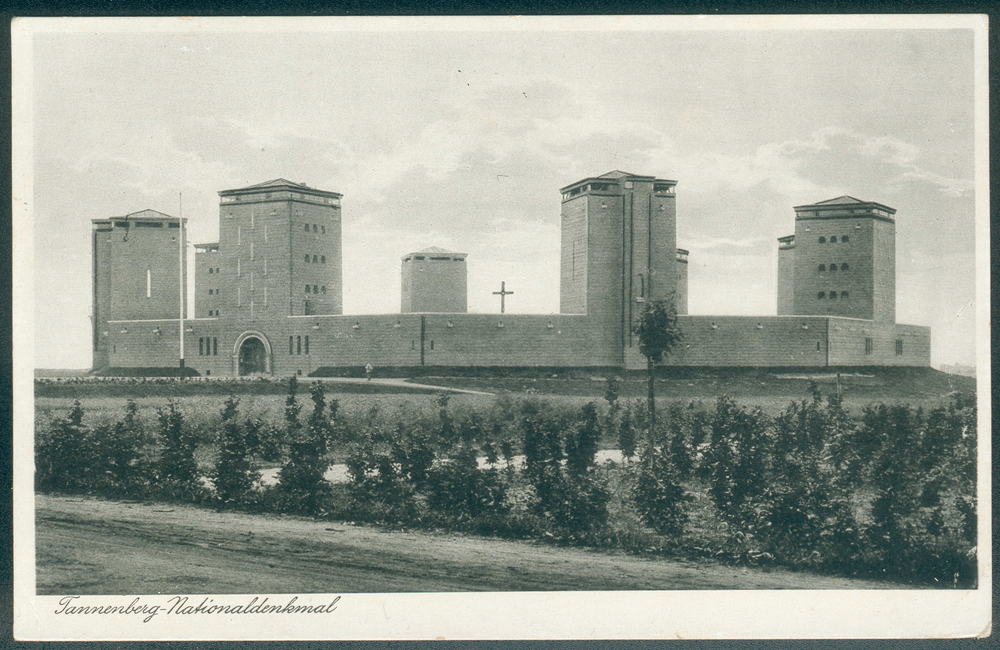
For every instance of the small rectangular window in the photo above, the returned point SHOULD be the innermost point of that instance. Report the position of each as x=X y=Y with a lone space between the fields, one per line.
x=432 y=344
x=201 y=347
x=291 y=345
x=322 y=230
x=307 y=288
x=315 y=229
x=307 y=227
x=298 y=345
x=307 y=344
x=868 y=346
x=899 y=347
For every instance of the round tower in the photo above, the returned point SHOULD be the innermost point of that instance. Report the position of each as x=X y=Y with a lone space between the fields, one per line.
x=434 y=281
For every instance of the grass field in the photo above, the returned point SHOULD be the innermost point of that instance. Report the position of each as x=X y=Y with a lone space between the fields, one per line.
x=93 y=546
x=771 y=391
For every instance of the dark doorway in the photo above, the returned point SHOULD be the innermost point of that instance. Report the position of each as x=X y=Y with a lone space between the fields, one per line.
x=253 y=357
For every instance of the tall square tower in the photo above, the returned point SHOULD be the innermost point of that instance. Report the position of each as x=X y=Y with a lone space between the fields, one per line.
x=844 y=260
x=136 y=274
x=278 y=254
x=619 y=248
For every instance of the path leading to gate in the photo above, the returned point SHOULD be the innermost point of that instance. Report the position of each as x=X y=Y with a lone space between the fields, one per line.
x=92 y=546
x=397 y=382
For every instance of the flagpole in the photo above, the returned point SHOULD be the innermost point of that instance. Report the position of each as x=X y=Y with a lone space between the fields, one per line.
x=180 y=277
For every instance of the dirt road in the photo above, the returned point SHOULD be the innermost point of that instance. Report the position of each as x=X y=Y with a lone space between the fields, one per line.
x=91 y=546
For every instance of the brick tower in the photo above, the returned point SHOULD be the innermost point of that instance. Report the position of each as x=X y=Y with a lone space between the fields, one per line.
x=434 y=280
x=618 y=250
x=135 y=273
x=841 y=261
x=278 y=254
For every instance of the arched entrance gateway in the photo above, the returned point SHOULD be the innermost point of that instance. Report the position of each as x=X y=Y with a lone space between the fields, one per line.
x=252 y=354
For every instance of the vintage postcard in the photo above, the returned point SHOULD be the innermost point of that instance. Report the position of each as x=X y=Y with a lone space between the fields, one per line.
x=501 y=328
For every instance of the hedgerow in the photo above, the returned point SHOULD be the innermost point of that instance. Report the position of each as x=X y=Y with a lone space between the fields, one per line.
x=889 y=491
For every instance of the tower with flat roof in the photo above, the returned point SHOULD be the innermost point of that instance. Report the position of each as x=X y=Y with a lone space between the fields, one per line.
x=841 y=261
x=434 y=281
x=136 y=275
x=278 y=254
x=619 y=248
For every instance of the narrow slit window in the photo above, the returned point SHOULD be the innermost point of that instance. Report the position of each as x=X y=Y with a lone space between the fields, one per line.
x=307 y=344
x=315 y=229
x=432 y=344
x=291 y=343
x=215 y=346
x=322 y=289
x=315 y=289
x=307 y=259
x=899 y=347
x=201 y=347
x=322 y=259
x=307 y=288
x=298 y=345
x=322 y=230
x=315 y=259
x=869 y=347
x=307 y=227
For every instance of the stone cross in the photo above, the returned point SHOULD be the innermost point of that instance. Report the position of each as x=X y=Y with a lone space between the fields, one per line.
x=503 y=293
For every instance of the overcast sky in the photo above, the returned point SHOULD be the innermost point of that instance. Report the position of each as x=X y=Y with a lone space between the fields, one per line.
x=463 y=139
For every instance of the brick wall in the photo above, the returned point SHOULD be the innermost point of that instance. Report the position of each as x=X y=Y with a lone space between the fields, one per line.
x=574 y=259
x=786 y=277
x=814 y=261
x=884 y=271
x=751 y=341
x=848 y=344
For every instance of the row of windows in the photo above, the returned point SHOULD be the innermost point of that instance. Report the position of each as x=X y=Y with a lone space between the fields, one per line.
x=208 y=346
x=833 y=239
x=321 y=229
x=214 y=292
x=213 y=312
x=822 y=295
x=213 y=270
x=315 y=288
x=316 y=259
x=295 y=344
x=833 y=267
x=870 y=347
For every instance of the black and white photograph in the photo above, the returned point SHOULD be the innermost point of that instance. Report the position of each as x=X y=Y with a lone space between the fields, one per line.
x=501 y=327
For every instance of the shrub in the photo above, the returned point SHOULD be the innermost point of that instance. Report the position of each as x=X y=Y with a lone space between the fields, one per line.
x=302 y=476
x=62 y=459
x=234 y=476
x=658 y=494
x=178 y=469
